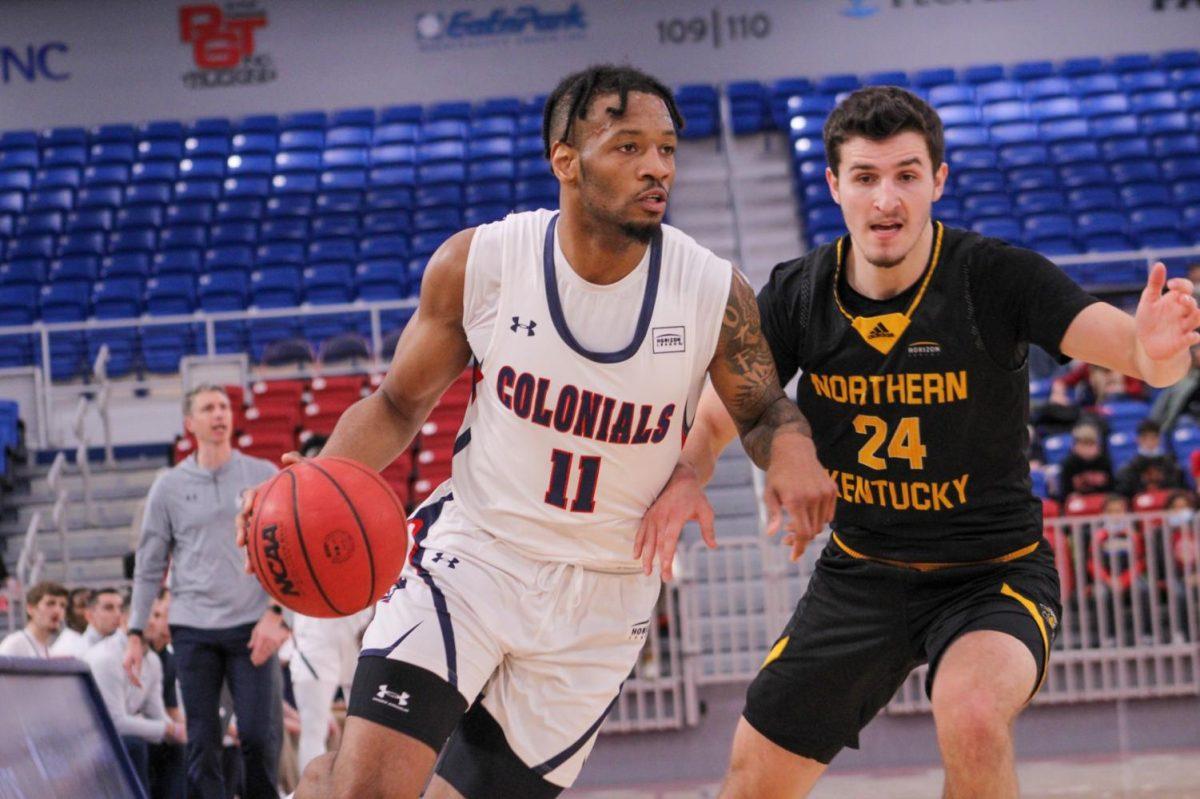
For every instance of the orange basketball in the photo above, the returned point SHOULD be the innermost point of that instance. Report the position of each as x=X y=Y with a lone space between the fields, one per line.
x=327 y=537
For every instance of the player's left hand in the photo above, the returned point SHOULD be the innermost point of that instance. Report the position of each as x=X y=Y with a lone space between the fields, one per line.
x=682 y=500
x=1166 y=322
x=266 y=637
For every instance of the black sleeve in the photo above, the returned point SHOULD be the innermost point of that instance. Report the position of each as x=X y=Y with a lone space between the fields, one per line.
x=779 y=311
x=1022 y=298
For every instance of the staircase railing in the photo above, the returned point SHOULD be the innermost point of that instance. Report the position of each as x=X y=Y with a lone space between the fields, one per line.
x=58 y=513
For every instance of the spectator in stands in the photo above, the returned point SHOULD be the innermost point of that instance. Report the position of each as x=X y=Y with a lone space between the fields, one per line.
x=46 y=607
x=1181 y=399
x=1037 y=451
x=1099 y=385
x=1151 y=469
x=1087 y=468
x=222 y=626
x=103 y=615
x=77 y=603
x=136 y=707
x=167 y=763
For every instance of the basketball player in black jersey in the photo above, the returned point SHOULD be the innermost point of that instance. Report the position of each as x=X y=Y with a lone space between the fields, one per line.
x=912 y=340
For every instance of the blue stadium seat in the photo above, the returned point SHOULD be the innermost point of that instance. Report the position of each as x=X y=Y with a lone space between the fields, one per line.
x=12 y=202
x=249 y=164
x=484 y=213
x=1054 y=108
x=389 y=198
x=1039 y=202
x=246 y=187
x=1144 y=195
x=224 y=291
x=335 y=225
x=125 y=265
x=138 y=240
x=531 y=146
x=1046 y=87
x=424 y=244
x=1174 y=169
x=497 y=107
x=64 y=302
x=1096 y=223
x=254 y=144
x=349 y=136
x=119 y=298
x=139 y=216
x=395 y=133
x=341 y=249
x=328 y=283
x=1064 y=130
x=1153 y=100
x=1107 y=242
x=89 y=220
x=91 y=243
x=56 y=137
x=208 y=126
x=31 y=247
x=442 y=130
x=22 y=159
x=183 y=237
x=1188 y=78
x=289 y=161
x=1164 y=123
x=78 y=269
x=36 y=223
x=1125 y=149
x=503 y=169
x=235 y=258
x=1154 y=219
x=18 y=140
x=18 y=304
x=202 y=190
x=393 y=154
x=979 y=206
x=339 y=202
x=1176 y=59
x=277 y=287
x=301 y=141
x=1020 y=155
x=170 y=294
x=30 y=272
x=952 y=116
x=67 y=156
x=498 y=127
x=380 y=222
x=285 y=229
x=972 y=158
x=452 y=110
x=1079 y=175
x=1007 y=229
x=400 y=113
x=241 y=209
x=484 y=149
x=295 y=183
x=1093 y=198
x=997 y=91
x=105 y=176
x=289 y=253
x=1131 y=62
x=1031 y=70
x=234 y=233
x=932 y=76
x=50 y=200
x=160 y=130
x=1075 y=152
x=381 y=279
x=387 y=246
x=979 y=73
x=1176 y=145
x=151 y=150
x=289 y=206
x=164 y=172
x=156 y=194
x=102 y=153
x=1186 y=192
x=61 y=177
x=343 y=180
x=303 y=120
x=16 y=180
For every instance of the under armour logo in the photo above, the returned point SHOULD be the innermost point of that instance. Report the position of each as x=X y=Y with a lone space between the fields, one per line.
x=880 y=331
x=451 y=562
x=527 y=328
x=399 y=701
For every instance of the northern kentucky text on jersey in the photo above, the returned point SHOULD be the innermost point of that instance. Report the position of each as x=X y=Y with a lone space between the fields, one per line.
x=581 y=412
x=901 y=443
x=906 y=388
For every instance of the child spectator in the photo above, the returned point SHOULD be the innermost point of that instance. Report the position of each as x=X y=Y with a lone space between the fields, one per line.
x=1087 y=468
x=1151 y=469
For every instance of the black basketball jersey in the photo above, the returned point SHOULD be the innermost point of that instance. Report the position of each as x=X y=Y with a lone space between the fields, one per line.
x=922 y=427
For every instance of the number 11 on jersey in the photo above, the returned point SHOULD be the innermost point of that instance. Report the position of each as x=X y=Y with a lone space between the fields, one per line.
x=560 y=473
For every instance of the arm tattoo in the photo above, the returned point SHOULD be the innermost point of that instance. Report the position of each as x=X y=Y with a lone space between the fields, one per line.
x=745 y=378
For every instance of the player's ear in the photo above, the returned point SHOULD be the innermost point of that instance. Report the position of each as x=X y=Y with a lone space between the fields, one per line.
x=831 y=180
x=564 y=161
x=939 y=180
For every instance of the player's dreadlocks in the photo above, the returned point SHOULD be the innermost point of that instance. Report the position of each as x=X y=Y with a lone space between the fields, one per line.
x=570 y=99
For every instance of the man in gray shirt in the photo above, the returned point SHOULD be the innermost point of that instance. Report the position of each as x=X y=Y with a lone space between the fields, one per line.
x=222 y=624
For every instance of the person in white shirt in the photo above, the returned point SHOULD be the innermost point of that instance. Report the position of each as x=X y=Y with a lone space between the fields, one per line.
x=46 y=606
x=137 y=710
x=103 y=616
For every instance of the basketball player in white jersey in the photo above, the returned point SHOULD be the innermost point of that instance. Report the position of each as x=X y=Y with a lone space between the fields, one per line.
x=523 y=607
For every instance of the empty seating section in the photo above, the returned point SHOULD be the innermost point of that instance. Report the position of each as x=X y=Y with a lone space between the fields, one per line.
x=218 y=215
x=1079 y=157
x=279 y=416
x=10 y=436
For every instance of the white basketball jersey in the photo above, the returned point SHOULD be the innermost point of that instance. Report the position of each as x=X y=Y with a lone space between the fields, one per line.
x=563 y=448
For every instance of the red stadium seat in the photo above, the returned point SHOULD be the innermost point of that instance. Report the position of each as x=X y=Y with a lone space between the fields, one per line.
x=282 y=420
x=321 y=418
x=278 y=391
x=267 y=445
x=1150 y=500
x=1085 y=504
x=342 y=391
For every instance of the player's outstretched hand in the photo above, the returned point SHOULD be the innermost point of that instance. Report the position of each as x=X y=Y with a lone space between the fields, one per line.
x=682 y=500
x=798 y=484
x=243 y=520
x=1166 y=322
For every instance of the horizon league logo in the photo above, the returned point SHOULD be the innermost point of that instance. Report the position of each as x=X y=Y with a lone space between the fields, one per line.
x=223 y=46
x=464 y=28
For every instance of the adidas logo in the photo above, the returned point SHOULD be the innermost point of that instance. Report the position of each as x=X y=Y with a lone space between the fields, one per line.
x=880 y=331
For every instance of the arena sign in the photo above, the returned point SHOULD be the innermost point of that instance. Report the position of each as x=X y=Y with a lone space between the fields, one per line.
x=223 y=46
x=527 y=23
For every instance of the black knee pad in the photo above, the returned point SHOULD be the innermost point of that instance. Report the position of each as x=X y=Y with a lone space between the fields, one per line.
x=405 y=698
x=480 y=764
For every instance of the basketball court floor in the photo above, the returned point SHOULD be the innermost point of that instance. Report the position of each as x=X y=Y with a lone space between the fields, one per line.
x=1165 y=775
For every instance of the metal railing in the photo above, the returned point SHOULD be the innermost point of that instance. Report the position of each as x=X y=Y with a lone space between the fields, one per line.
x=58 y=512
x=1129 y=628
x=103 y=400
x=31 y=560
